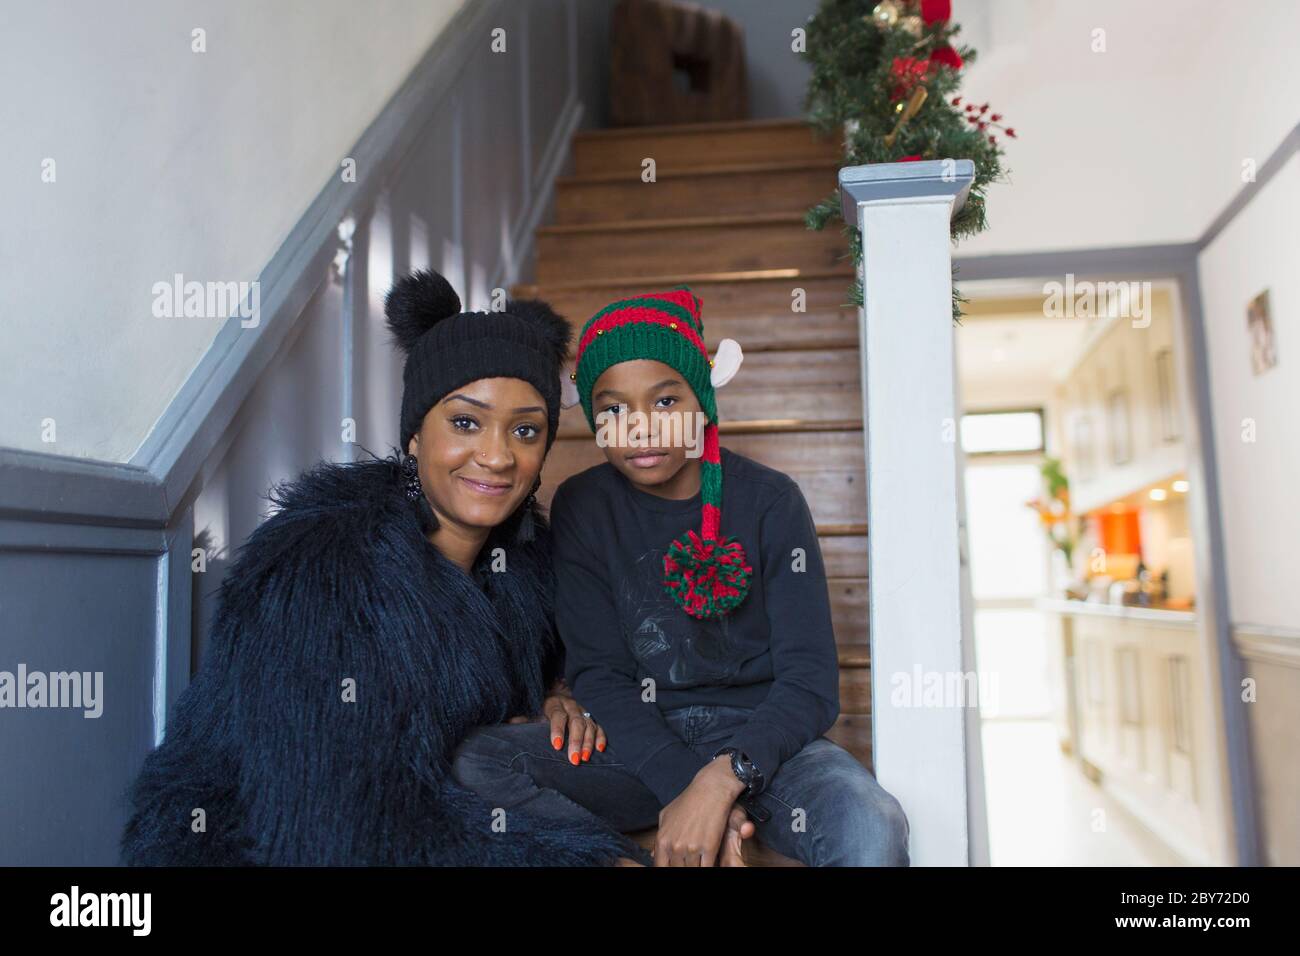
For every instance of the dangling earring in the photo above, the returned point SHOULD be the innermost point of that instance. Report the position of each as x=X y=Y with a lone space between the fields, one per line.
x=411 y=477
x=526 y=530
x=415 y=493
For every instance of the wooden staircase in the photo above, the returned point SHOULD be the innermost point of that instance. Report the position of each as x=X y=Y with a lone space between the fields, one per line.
x=725 y=216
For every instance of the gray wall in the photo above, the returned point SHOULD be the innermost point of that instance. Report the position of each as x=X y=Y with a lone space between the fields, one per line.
x=95 y=567
x=778 y=77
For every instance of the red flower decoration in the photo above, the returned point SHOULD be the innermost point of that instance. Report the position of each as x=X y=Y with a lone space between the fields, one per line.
x=908 y=71
x=909 y=159
x=935 y=11
x=946 y=56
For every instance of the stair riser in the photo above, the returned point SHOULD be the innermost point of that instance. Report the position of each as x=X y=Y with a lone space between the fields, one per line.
x=853 y=733
x=674 y=151
x=568 y=257
x=722 y=194
x=769 y=333
x=848 y=606
x=773 y=299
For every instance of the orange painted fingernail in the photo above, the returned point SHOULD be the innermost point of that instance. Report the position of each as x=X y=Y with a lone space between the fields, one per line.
x=601 y=746
x=557 y=742
x=586 y=755
x=573 y=758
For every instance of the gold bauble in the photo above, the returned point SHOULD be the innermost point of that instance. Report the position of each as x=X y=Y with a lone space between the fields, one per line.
x=912 y=25
x=885 y=13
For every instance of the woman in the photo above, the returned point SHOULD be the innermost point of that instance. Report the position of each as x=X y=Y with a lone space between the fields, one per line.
x=388 y=607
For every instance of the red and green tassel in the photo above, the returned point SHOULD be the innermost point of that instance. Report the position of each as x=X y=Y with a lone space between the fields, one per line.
x=707 y=576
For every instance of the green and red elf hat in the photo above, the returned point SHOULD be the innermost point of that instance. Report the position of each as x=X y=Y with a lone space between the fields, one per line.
x=706 y=574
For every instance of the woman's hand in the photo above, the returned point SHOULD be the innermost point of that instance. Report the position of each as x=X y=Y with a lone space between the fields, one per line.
x=569 y=721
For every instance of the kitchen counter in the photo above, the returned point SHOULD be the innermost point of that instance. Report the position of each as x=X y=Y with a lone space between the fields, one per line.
x=1151 y=615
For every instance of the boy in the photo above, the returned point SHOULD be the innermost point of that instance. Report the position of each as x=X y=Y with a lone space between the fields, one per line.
x=708 y=659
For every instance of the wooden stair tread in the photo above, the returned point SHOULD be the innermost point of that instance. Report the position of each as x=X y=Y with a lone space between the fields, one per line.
x=691 y=145
x=721 y=169
x=681 y=222
x=686 y=129
x=857 y=656
x=678 y=278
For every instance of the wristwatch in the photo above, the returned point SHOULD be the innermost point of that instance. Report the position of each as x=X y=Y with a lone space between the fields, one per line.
x=744 y=769
x=748 y=774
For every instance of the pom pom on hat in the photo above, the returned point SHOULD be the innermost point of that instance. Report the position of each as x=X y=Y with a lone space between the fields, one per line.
x=416 y=303
x=547 y=323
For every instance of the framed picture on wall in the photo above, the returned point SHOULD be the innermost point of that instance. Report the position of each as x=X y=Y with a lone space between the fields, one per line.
x=1117 y=423
x=1259 y=322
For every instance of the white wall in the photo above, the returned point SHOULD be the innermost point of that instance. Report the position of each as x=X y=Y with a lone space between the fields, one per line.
x=167 y=161
x=1143 y=143
x=1259 y=250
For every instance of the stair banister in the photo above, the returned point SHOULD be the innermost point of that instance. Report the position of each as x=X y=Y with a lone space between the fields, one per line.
x=919 y=603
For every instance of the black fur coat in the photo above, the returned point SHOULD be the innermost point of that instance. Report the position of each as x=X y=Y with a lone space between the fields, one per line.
x=340 y=589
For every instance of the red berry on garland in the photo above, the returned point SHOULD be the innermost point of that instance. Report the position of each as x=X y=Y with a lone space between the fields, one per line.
x=995 y=117
x=935 y=11
x=956 y=101
x=1010 y=131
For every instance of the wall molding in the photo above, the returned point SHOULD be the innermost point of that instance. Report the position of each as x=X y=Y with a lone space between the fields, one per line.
x=1271 y=645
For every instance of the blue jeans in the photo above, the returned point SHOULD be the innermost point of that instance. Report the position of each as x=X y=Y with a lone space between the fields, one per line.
x=826 y=809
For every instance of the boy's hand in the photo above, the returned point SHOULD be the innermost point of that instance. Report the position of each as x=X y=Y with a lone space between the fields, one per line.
x=739 y=829
x=691 y=828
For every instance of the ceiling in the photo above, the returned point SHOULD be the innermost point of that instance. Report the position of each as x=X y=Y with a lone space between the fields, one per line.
x=1142 y=143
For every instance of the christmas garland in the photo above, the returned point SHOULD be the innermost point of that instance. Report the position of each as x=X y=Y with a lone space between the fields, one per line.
x=885 y=77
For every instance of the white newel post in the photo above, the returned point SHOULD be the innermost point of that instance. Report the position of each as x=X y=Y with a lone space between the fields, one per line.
x=926 y=752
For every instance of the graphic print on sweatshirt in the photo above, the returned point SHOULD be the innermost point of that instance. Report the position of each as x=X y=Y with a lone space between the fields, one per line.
x=669 y=644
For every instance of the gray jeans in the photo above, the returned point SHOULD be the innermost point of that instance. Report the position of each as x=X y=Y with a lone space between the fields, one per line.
x=825 y=808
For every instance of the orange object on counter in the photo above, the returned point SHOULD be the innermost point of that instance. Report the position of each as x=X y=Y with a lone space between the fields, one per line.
x=1119 y=531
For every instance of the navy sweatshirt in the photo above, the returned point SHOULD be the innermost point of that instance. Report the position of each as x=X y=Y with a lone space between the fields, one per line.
x=775 y=652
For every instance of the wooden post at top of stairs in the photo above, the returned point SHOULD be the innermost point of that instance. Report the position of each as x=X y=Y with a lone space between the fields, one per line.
x=919 y=611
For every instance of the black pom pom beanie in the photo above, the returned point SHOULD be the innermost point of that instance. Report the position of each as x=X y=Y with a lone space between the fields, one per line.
x=446 y=348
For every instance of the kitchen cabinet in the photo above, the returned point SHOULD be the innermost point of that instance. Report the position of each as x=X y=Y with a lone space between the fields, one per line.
x=1121 y=409
x=1139 y=727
